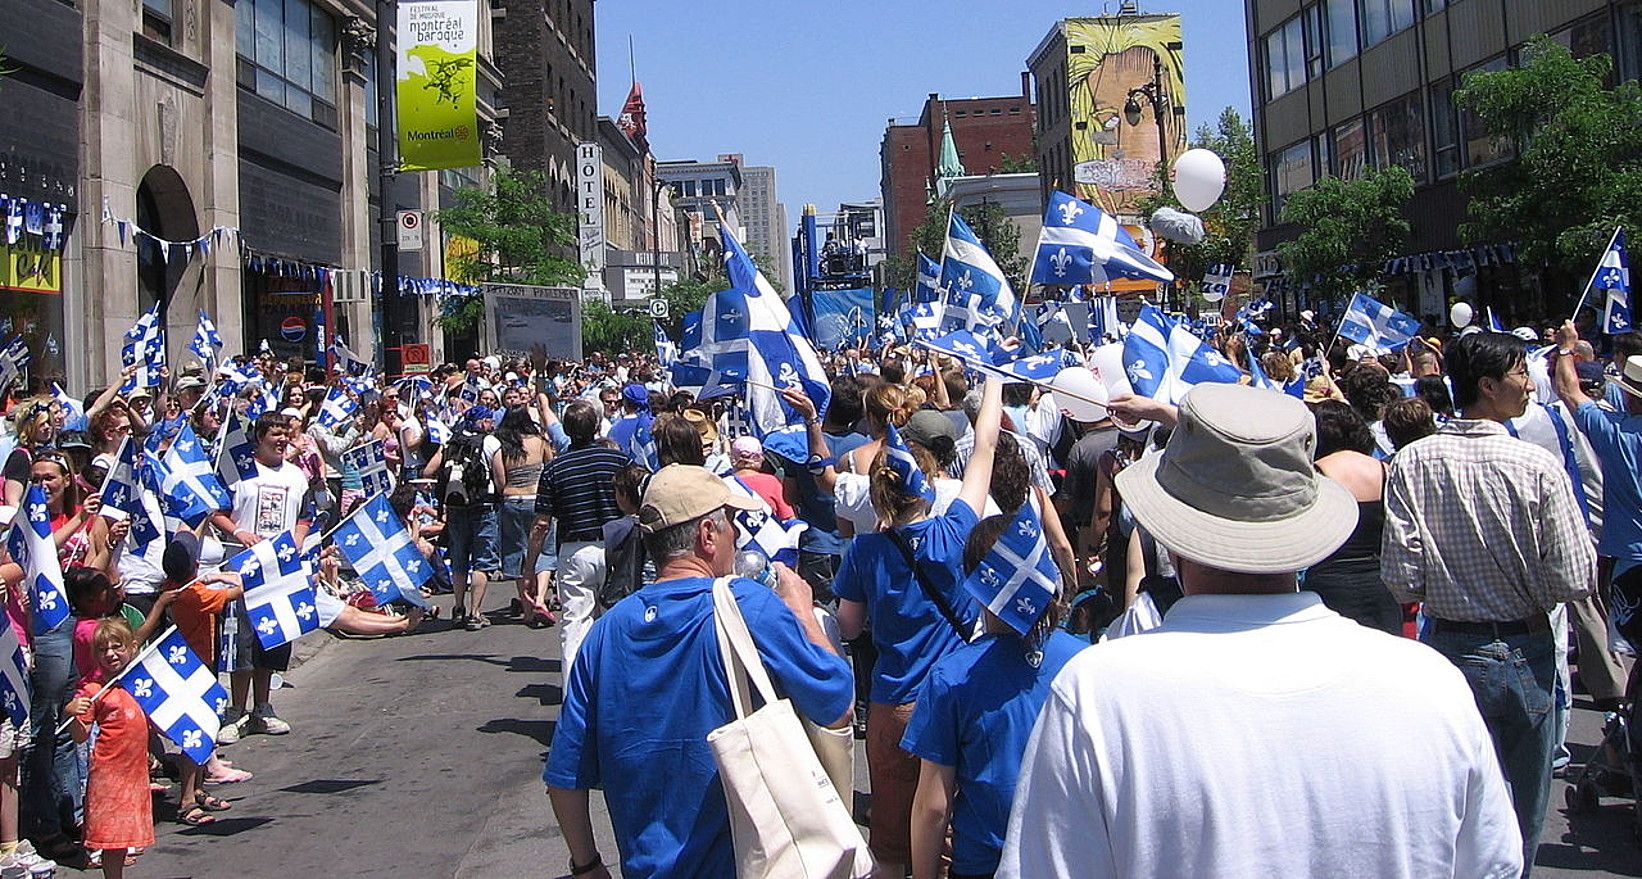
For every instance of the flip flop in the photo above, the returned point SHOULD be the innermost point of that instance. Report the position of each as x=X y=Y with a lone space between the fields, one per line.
x=197 y=817
x=212 y=804
x=233 y=776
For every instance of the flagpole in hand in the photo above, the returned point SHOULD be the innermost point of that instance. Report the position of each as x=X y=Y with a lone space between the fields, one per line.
x=1588 y=284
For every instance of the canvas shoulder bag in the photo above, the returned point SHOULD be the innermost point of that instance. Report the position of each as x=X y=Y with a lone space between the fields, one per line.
x=786 y=817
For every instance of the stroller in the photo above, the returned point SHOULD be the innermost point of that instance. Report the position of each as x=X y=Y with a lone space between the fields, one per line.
x=1612 y=769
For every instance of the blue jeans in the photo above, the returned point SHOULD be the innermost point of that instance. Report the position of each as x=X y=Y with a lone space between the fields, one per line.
x=517 y=517
x=51 y=787
x=1514 y=680
x=472 y=535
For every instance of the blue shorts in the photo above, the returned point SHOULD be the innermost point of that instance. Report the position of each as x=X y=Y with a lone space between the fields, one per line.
x=472 y=535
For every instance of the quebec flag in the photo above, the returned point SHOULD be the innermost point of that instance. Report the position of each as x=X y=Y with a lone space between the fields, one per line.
x=761 y=531
x=1017 y=579
x=279 y=590
x=179 y=694
x=190 y=477
x=382 y=552
x=1613 y=274
x=14 y=677
x=928 y=288
x=778 y=356
x=1082 y=244
x=1379 y=326
x=1164 y=360
x=339 y=408
x=977 y=293
x=32 y=547
x=371 y=461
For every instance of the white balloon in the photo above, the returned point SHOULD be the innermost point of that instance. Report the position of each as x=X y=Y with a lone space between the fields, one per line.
x=1199 y=179
x=1080 y=393
x=1460 y=315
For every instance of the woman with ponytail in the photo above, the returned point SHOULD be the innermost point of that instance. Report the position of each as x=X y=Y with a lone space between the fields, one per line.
x=905 y=580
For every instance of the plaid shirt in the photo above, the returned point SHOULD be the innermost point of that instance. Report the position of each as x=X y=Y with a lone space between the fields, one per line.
x=1483 y=527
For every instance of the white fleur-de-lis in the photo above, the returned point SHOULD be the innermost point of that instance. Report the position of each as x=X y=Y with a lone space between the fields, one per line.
x=267 y=626
x=989 y=576
x=1060 y=261
x=1138 y=370
x=382 y=516
x=243 y=461
x=11 y=701
x=753 y=519
x=220 y=705
x=787 y=376
x=1213 y=358
x=1025 y=606
x=914 y=542
x=966 y=281
x=965 y=348
x=37 y=513
x=185 y=446
x=250 y=568
x=382 y=586
x=48 y=600
x=177 y=655
x=1027 y=529
x=142 y=688
x=413 y=565
x=353 y=538
x=1069 y=211
x=286 y=551
x=304 y=610
x=192 y=739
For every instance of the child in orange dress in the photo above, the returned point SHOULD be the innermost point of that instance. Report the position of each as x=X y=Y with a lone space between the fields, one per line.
x=119 y=813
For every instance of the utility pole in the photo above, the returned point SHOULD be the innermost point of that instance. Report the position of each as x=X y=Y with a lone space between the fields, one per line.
x=387 y=80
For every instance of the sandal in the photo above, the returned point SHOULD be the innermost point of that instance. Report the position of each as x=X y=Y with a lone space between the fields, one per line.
x=232 y=776
x=211 y=804
x=197 y=817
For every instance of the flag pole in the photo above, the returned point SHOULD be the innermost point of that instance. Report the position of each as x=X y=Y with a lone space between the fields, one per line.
x=128 y=666
x=986 y=367
x=1587 y=291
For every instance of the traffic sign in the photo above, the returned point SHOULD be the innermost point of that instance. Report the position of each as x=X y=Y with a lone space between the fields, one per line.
x=415 y=357
x=658 y=309
x=410 y=230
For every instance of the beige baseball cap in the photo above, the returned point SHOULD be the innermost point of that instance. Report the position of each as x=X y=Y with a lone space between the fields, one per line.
x=679 y=493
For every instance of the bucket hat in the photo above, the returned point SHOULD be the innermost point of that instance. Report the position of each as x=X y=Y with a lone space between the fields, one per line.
x=1630 y=379
x=1235 y=488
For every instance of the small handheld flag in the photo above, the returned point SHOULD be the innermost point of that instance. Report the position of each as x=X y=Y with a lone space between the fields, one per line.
x=1082 y=244
x=977 y=292
x=179 y=694
x=382 y=552
x=32 y=547
x=339 y=408
x=1370 y=322
x=371 y=462
x=905 y=466
x=1614 y=276
x=14 y=677
x=279 y=590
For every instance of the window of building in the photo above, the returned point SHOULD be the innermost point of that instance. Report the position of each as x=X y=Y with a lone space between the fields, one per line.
x=1399 y=135
x=1587 y=37
x=1351 y=156
x=1285 y=58
x=1340 y=18
x=287 y=54
x=1480 y=149
x=461 y=178
x=1291 y=171
x=157 y=20
x=1630 y=42
x=1433 y=7
x=1382 y=18
x=1325 y=165
x=1445 y=131
x=1314 y=40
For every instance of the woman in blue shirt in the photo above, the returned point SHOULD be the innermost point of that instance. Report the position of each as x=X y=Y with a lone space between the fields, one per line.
x=917 y=618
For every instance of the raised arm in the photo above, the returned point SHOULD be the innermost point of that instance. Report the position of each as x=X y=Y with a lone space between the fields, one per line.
x=978 y=473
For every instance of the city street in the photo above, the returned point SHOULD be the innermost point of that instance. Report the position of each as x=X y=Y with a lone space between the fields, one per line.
x=421 y=756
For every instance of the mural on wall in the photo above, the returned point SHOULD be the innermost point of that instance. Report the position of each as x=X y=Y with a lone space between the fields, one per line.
x=1114 y=162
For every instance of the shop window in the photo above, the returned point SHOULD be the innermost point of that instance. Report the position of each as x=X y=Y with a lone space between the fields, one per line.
x=287 y=54
x=1292 y=171
x=1351 y=155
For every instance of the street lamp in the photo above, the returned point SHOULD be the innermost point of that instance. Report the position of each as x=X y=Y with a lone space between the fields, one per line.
x=1154 y=94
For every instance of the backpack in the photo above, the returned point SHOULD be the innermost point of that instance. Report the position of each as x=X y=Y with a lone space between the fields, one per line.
x=465 y=475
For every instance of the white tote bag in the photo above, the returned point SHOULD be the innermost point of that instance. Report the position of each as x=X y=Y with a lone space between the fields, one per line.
x=786 y=818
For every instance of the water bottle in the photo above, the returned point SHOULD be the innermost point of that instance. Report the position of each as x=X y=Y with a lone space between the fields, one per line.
x=753 y=565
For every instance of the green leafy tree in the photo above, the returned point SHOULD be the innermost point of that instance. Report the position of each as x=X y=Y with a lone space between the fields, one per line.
x=1025 y=163
x=613 y=332
x=994 y=227
x=1579 y=168
x=521 y=240
x=1348 y=229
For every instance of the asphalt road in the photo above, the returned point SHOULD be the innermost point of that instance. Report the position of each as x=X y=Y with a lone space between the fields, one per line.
x=421 y=756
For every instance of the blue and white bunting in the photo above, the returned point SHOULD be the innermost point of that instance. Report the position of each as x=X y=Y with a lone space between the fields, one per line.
x=977 y=293
x=382 y=552
x=179 y=693
x=279 y=590
x=372 y=463
x=33 y=548
x=1017 y=578
x=1379 y=326
x=1082 y=244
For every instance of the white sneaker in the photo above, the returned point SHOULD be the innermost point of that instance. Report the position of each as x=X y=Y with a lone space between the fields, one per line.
x=31 y=861
x=10 y=869
x=232 y=729
x=266 y=722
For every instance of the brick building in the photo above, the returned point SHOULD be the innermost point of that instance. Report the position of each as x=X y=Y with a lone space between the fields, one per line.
x=547 y=56
x=986 y=129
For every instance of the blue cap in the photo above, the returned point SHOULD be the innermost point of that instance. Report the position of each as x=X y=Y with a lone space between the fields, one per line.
x=476 y=414
x=636 y=394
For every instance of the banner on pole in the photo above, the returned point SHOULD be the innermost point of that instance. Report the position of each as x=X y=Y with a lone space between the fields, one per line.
x=437 y=85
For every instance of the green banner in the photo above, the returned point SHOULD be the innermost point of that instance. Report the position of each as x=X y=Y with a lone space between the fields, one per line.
x=437 y=83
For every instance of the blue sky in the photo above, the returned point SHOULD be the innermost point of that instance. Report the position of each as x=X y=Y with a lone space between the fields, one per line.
x=808 y=87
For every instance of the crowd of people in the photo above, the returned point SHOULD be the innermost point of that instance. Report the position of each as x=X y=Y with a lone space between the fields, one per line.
x=1279 y=634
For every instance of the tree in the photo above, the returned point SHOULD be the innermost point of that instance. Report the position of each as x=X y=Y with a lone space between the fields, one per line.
x=1230 y=224
x=686 y=295
x=996 y=230
x=521 y=239
x=1579 y=168
x=1348 y=229
x=613 y=332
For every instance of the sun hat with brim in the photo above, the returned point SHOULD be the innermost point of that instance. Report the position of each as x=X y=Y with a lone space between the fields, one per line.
x=1630 y=379
x=680 y=493
x=1235 y=488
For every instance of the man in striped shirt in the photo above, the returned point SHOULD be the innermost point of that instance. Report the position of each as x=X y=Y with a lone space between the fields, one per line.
x=578 y=489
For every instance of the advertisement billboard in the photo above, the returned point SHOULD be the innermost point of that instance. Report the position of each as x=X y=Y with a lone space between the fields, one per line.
x=437 y=85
